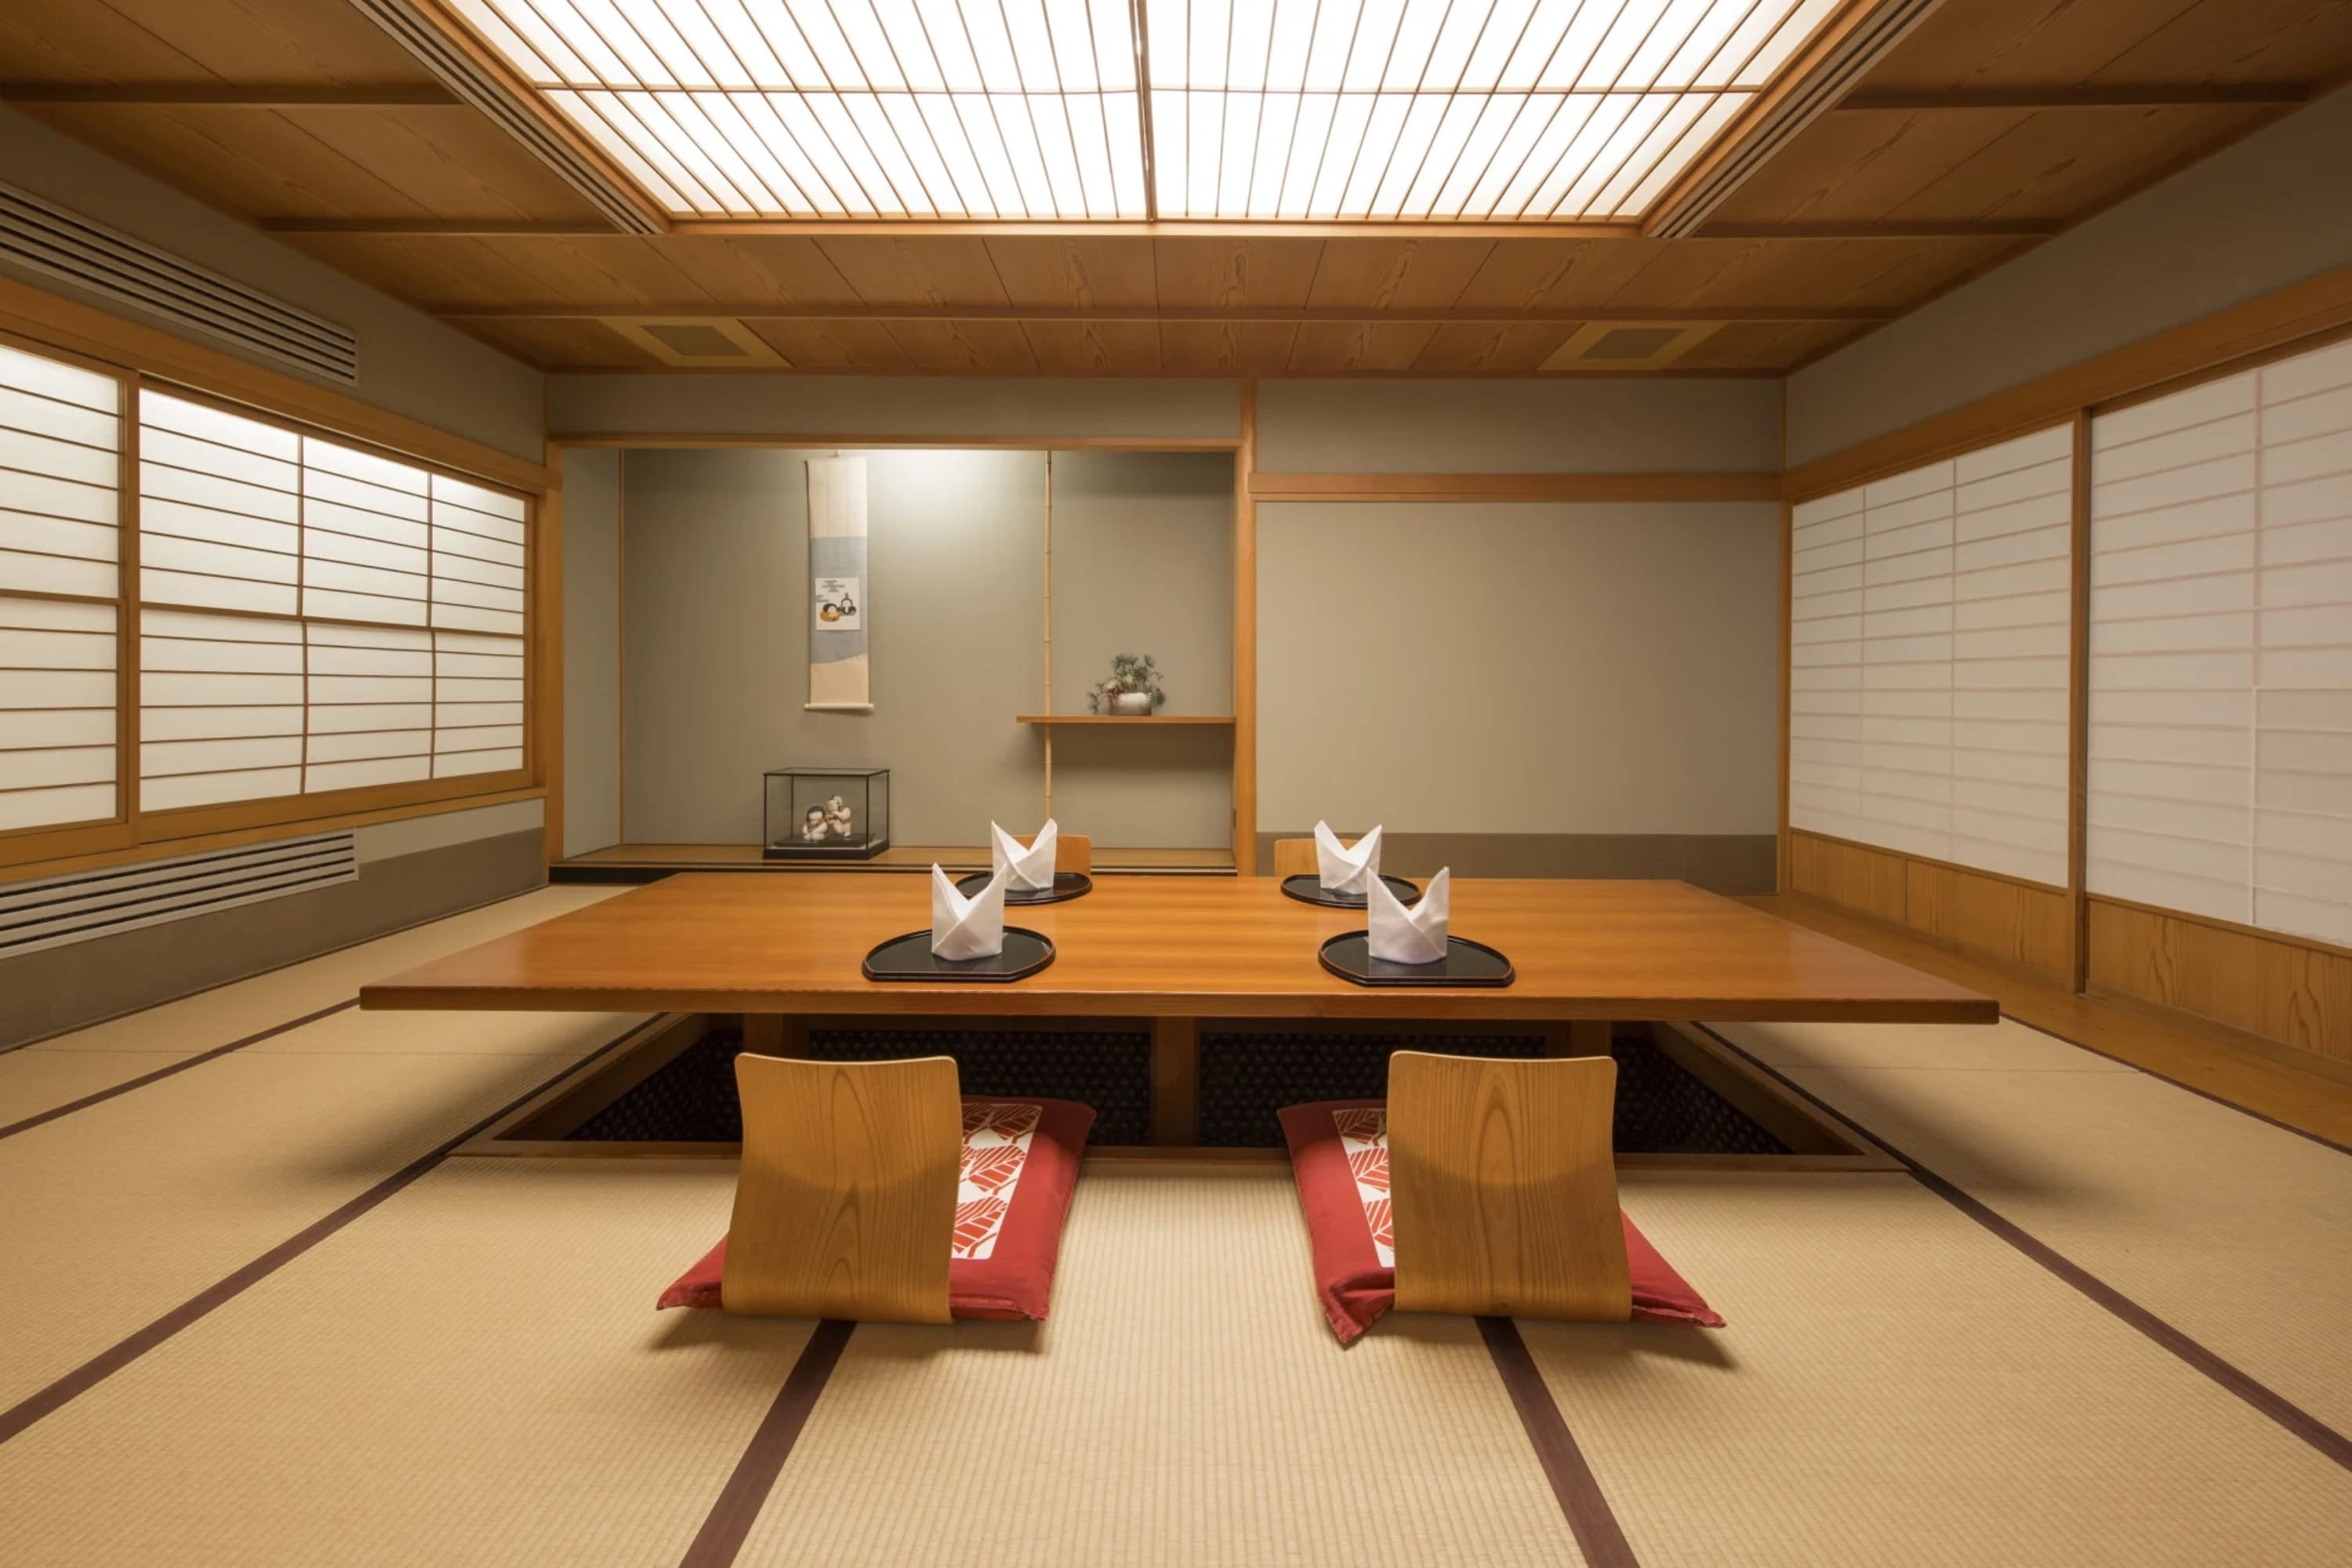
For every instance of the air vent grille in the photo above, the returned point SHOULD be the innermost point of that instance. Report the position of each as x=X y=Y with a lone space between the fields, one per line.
x=1829 y=80
x=41 y=236
x=61 y=910
x=471 y=80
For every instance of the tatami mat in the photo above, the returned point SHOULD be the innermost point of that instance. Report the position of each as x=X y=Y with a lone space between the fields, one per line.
x=1897 y=1385
x=124 y=1209
x=33 y=1081
x=471 y=1374
x=1185 y=1405
x=2235 y=1231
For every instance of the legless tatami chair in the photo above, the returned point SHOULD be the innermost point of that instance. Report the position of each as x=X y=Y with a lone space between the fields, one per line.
x=1503 y=1188
x=1072 y=852
x=845 y=1204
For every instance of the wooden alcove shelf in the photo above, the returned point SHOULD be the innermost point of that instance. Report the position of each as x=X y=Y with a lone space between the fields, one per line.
x=1124 y=719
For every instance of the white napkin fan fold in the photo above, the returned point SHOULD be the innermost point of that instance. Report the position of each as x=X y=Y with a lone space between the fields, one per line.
x=967 y=927
x=1415 y=935
x=1032 y=869
x=1343 y=870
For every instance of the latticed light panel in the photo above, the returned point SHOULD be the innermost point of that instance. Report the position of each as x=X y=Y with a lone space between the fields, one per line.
x=1078 y=109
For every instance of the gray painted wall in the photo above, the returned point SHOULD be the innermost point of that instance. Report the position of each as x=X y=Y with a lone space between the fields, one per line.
x=409 y=363
x=716 y=581
x=1519 y=668
x=716 y=569
x=1143 y=563
x=2273 y=210
x=883 y=406
x=591 y=648
x=1519 y=426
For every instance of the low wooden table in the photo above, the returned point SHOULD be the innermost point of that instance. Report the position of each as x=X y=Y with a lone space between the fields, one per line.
x=1178 y=950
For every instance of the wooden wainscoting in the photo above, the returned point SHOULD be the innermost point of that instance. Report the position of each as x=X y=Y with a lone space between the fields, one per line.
x=1977 y=912
x=2280 y=986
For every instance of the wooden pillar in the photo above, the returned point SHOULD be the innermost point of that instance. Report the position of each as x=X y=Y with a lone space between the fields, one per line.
x=772 y=1035
x=1246 y=637
x=1587 y=1038
x=1175 y=1081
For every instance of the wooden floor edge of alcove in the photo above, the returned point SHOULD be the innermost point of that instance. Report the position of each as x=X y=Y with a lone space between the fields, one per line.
x=540 y=1128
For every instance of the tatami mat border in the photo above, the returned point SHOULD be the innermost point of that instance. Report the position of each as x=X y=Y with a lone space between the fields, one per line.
x=122 y=1354
x=1590 y=1518
x=2320 y=1435
x=729 y=1520
x=100 y=1096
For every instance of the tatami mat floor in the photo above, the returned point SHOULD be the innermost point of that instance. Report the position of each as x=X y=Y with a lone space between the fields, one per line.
x=469 y=1370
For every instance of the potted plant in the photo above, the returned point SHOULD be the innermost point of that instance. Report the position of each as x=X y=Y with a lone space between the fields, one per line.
x=1133 y=688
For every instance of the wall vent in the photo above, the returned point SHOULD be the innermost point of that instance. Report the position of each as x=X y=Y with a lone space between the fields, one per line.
x=41 y=236
x=1629 y=345
x=415 y=28
x=61 y=910
x=1827 y=80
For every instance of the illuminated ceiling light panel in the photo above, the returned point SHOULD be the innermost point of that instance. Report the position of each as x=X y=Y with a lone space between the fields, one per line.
x=1398 y=109
x=1501 y=110
x=751 y=108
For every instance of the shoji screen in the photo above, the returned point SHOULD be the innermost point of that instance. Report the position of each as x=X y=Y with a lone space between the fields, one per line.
x=2220 y=757
x=1928 y=680
x=328 y=574
x=59 y=500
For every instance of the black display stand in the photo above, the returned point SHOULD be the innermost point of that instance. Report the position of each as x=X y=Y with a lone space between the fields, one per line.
x=1349 y=955
x=1307 y=888
x=1068 y=885
x=909 y=958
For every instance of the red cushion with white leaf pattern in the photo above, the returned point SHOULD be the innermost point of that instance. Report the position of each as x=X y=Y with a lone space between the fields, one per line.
x=1020 y=1166
x=1340 y=1155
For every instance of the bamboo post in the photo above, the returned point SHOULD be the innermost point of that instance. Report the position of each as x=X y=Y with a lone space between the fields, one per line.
x=1049 y=632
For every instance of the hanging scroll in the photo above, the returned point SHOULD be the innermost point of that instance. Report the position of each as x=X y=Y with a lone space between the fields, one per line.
x=837 y=584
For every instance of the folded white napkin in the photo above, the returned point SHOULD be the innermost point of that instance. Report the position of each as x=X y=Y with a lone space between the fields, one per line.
x=1346 y=870
x=967 y=927
x=1032 y=869
x=1415 y=935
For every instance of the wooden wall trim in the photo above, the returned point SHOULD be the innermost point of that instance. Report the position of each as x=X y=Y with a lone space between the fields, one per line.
x=2027 y=883
x=1516 y=487
x=2078 y=709
x=868 y=441
x=2021 y=925
x=2281 y=988
x=544 y=736
x=1788 y=664
x=2232 y=928
x=164 y=849
x=54 y=320
x=1246 y=481
x=2210 y=346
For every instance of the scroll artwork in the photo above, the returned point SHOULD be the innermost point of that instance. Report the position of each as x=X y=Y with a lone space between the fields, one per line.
x=838 y=668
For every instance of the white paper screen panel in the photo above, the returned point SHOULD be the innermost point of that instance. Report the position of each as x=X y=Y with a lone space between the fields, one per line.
x=57 y=693
x=1929 y=628
x=2220 y=720
x=59 y=477
x=477 y=693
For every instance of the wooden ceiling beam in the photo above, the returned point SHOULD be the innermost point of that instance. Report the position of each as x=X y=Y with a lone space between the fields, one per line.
x=973 y=229
x=786 y=311
x=2152 y=95
x=230 y=95
x=440 y=228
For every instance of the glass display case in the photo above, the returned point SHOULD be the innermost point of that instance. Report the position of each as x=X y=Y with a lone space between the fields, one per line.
x=826 y=814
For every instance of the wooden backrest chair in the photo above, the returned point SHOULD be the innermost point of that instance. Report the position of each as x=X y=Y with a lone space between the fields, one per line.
x=1503 y=1188
x=845 y=1207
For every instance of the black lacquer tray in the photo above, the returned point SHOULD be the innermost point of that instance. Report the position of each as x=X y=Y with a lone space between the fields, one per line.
x=909 y=957
x=1307 y=888
x=1068 y=885
x=1466 y=963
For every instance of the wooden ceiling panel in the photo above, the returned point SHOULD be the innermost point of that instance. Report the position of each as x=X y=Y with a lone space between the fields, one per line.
x=440 y=270
x=1077 y=272
x=593 y=270
x=322 y=42
x=1992 y=44
x=250 y=160
x=966 y=348
x=449 y=159
x=1497 y=348
x=834 y=345
x=1095 y=348
x=1226 y=348
x=1975 y=163
x=565 y=344
x=1556 y=274
x=918 y=269
x=1857 y=274
x=783 y=270
x=1391 y=274
x=1237 y=273
x=1323 y=348
x=1766 y=346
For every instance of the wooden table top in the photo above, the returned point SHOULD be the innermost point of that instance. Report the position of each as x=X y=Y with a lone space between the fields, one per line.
x=1177 y=947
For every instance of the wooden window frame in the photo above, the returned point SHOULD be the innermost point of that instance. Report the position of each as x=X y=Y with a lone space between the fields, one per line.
x=132 y=830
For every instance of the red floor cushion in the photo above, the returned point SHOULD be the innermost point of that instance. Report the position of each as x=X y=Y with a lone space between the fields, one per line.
x=1340 y=1155
x=1020 y=1167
